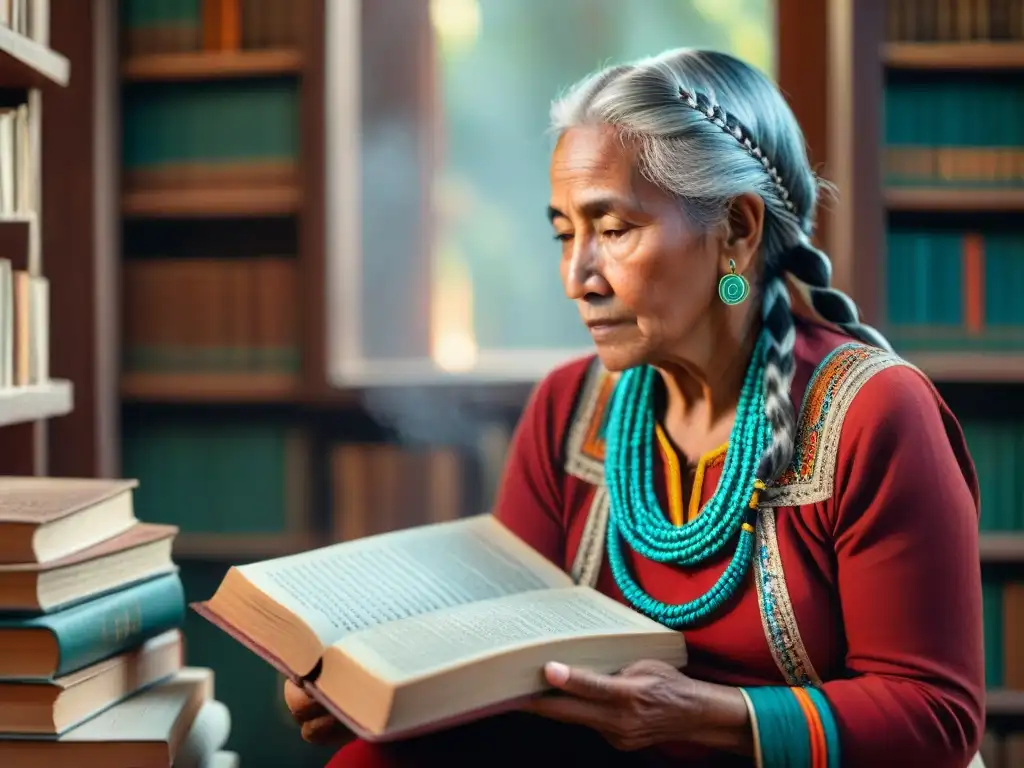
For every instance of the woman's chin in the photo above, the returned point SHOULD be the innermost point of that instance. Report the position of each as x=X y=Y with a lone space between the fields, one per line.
x=620 y=357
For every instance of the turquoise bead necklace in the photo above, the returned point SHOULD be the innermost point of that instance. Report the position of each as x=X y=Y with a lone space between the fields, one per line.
x=635 y=515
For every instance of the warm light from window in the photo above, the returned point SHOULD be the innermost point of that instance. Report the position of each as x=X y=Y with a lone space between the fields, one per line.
x=453 y=342
x=457 y=22
x=747 y=39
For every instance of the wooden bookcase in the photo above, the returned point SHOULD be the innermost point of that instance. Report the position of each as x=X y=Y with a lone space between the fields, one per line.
x=32 y=70
x=218 y=217
x=217 y=212
x=79 y=238
x=863 y=57
x=297 y=196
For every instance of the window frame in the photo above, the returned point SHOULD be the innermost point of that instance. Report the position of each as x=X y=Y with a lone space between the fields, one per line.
x=395 y=83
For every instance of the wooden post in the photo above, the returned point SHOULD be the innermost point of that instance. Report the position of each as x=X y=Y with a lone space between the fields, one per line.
x=801 y=55
x=857 y=218
x=79 y=238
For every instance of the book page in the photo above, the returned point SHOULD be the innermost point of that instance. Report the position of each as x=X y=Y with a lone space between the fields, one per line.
x=347 y=587
x=423 y=644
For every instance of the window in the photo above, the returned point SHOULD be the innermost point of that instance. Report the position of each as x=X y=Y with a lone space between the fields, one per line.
x=441 y=262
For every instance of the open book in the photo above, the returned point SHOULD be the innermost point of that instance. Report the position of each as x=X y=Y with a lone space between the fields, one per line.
x=416 y=630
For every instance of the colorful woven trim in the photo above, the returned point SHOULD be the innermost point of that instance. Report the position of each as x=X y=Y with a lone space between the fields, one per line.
x=584 y=450
x=834 y=384
x=778 y=617
x=792 y=727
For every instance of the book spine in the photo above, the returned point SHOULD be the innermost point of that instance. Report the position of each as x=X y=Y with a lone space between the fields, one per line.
x=103 y=628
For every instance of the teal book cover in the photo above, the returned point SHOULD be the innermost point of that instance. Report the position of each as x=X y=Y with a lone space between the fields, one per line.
x=92 y=631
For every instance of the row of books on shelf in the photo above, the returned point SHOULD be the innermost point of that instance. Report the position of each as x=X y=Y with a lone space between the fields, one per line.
x=30 y=18
x=1003 y=750
x=91 y=652
x=380 y=488
x=953 y=289
x=216 y=132
x=1003 y=607
x=177 y=26
x=954 y=20
x=17 y=182
x=933 y=136
x=24 y=311
x=240 y=315
x=197 y=476
x=997 y=448
x=24 y=295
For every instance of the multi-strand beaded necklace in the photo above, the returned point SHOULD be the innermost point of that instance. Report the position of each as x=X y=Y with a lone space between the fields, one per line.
x=635 y=515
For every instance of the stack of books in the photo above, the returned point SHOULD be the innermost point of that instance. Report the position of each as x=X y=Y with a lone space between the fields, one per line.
x=91 y=652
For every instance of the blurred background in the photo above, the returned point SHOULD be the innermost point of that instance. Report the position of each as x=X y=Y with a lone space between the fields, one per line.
x=302 y=283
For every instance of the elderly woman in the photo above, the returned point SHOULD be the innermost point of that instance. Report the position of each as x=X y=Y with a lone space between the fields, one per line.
x=742 y=461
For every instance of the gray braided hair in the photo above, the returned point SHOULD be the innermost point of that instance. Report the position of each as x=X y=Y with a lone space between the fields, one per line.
x=709 y=128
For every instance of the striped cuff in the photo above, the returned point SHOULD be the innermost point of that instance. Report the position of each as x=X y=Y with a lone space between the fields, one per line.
x=758 y=758
x=792 y=727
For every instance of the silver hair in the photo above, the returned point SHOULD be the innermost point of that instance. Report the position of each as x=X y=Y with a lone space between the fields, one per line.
x=710 y=128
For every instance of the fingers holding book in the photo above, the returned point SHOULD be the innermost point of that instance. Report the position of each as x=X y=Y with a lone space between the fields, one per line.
x=634 y=709
x=317 y=724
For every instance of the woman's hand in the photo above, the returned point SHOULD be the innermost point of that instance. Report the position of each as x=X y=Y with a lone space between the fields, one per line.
x=318 y=725
x=647 y=703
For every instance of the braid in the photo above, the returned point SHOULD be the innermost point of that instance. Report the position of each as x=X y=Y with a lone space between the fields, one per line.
x=777 y=321
x=808 y=265
x=813 y=268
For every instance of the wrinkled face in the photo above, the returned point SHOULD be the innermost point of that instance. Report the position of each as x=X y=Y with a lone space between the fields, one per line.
x=642 y=275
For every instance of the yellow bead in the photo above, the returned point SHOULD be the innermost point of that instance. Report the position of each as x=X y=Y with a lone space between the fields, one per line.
x=748 y=527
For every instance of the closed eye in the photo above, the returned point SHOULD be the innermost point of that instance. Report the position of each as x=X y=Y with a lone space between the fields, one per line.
x=563 y=237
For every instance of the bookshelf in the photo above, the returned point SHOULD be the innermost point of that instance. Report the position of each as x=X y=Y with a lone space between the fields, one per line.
x=79 y=239
x=29 y=63
x=986 y=56
x=926 y=235
x=225 y=204
x=1005 y=548
x=55 y=250
x=282 y=200
x=218 y=104
x=35 y=403
x=29 y=395
x=209 y=64
x=955 y=200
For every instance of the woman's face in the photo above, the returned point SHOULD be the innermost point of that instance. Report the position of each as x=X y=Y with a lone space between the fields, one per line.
x=642 y=275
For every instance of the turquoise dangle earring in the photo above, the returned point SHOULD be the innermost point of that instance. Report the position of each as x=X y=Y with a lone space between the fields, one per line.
x=733 y=288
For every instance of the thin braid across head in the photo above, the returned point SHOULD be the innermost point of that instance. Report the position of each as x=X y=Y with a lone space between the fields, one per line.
x=731 y=125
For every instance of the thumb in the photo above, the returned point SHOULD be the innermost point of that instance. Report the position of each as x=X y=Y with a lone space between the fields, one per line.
x=581 y=682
